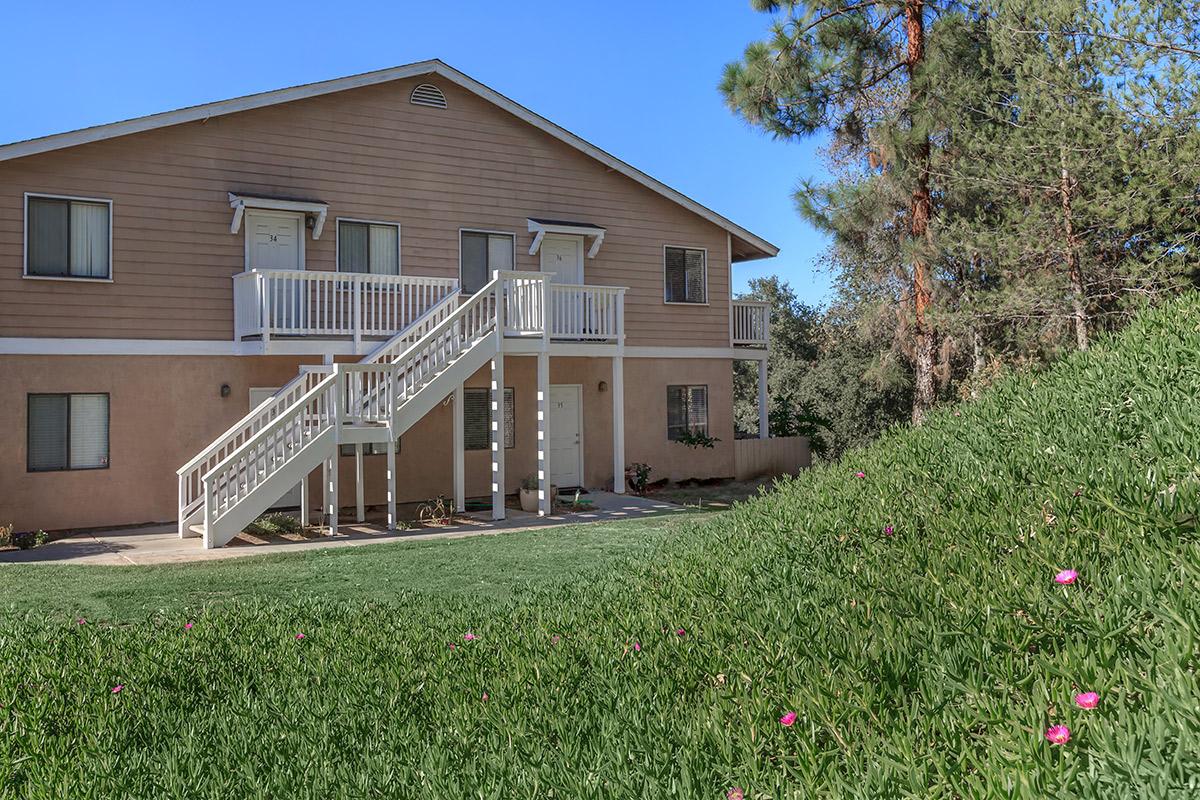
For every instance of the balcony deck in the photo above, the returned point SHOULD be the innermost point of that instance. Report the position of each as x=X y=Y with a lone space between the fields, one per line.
x=363 y=309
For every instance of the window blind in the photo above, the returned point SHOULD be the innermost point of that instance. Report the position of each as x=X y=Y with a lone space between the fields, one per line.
x=67 y=238
x=67 y=431
x=687 y=411
x=368 y=248
x=477 y=419
x=684 y=275
x=483 y=253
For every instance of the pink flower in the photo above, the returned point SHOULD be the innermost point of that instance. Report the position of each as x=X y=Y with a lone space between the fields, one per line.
x=299 y=636
x=788 y=719
x=860 y=474
x=485 y=697
x=452 y=645
x=1087 y=699
x=555 y=639
x=888 y=530
x=468 y=637
x=187 y=627
x=637 y=647
x=1058 y=734
x=1066 y=577
x=680 y=632
x=117 y=689
x=735 y=793
x=82 y=621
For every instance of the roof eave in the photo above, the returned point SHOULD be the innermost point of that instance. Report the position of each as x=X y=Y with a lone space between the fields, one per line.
x=249 y=102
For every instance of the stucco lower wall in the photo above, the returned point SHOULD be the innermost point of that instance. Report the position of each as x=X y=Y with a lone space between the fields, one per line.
x=163 y=410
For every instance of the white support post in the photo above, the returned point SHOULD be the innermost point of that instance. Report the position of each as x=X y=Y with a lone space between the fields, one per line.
x=335 y=413
x=325 y=492
x=764 y=427
x=460 y=483
x=360 y=511
x=391 y=482
x=618 y=399
x=304 y=502
x=497 y=394
x=545 y=506
x=497 y=398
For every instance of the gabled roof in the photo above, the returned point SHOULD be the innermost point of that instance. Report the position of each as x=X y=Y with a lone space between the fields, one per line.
x=750 y=246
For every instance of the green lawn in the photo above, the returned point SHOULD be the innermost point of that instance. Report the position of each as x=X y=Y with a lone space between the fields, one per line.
x=885 y=627
x=490 y=567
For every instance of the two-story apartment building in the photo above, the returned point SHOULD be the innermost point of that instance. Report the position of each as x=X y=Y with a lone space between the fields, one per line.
x=370 y=290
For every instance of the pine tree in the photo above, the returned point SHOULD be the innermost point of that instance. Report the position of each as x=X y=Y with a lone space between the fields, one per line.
x=856 y=69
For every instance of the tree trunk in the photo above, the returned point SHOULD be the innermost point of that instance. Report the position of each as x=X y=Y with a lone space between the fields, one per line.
x=920 y=210
x=1074 y=274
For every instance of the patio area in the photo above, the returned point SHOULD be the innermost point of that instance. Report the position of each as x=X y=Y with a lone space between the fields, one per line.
x=160 y=544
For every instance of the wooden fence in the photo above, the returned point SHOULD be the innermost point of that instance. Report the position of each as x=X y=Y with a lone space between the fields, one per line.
x=754 y=458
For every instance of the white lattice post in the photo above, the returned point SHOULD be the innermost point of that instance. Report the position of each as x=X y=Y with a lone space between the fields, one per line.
x=304 y=502
x=497 y=398
x=618 y=412
x=545 y=500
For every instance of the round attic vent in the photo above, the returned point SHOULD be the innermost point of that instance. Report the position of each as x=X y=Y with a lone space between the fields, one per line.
x=428 y=95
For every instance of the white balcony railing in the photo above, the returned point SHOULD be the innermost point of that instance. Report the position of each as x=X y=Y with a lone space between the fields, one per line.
x=587 y=313
x=751 y=323
x=284 y=302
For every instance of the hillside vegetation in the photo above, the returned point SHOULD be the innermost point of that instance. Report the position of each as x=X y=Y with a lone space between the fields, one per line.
x=909 y=619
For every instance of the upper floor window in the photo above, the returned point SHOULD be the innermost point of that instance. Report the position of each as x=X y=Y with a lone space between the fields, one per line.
x=67 y=431
x=687 y=411
x=686 y=275
x=371 y=247
x=67 y=237
x=482 y=253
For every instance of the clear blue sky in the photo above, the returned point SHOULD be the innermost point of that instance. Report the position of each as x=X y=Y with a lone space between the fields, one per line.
x=635 y=78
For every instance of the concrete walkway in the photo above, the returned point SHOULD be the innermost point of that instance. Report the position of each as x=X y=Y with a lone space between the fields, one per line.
x=160 y=544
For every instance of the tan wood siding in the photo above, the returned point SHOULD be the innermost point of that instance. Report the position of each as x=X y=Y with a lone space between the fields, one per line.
x=368 y=153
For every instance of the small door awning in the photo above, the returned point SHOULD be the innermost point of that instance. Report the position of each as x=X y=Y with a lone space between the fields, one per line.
x=314 y=210
x=540 y=227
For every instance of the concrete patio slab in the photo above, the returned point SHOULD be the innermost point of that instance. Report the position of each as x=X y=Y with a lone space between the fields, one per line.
x=160 y=544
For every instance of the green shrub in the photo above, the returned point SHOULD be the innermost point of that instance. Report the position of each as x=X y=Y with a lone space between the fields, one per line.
x=909 y=619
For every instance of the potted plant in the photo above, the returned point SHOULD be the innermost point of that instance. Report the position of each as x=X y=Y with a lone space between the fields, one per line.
x=529 y=493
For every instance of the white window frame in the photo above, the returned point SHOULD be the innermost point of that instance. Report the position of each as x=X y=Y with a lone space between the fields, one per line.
x=703 y=250
x=25 y=240
x=337 y=235
x=461 y=231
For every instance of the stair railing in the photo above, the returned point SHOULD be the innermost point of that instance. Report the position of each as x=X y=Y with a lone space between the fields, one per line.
x=190 y=475
x=269 y=449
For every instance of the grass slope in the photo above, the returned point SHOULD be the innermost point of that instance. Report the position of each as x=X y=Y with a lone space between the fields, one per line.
x=926 y=663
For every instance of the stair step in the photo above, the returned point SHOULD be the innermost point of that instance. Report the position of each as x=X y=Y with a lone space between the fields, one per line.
x=197 y=529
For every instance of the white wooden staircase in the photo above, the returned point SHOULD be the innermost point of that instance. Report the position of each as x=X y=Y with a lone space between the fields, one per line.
x=275 y=447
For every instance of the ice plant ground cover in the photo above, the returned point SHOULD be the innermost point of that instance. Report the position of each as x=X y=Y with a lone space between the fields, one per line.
x=931 y=662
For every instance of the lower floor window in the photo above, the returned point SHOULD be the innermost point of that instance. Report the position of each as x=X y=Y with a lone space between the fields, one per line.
x=687 y=411
x=477 y=419
x=67 y=431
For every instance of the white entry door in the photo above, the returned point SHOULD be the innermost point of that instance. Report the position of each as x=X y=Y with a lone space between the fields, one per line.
x=562 y=257
x=566 y=441
x=275 y=240
x=292 y=498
